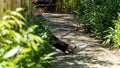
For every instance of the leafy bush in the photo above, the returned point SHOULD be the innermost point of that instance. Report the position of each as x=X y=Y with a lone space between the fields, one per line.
x=97 y=15
x=67 y=5
x=114 y=34
x=23 y=42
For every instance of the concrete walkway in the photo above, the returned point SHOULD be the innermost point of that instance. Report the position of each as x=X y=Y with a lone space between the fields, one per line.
x=94 y=56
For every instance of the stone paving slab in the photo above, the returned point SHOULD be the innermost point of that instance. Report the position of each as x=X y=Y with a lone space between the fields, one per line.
x=94 y=56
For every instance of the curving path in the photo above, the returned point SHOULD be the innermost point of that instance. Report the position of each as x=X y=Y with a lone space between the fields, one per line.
x=94 y=56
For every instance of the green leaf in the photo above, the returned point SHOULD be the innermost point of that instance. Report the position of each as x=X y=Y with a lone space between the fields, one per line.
x=35 y=47
x=8 y=41
x=28 y=44
x=6 y=17
x=4 y=31
x=1 y=25
x=31 y=64
x=12 y=22
x=12 y=52
x=17 y=37
x=7 y=24
x=19 y=9
x=18 y=58
x=31 y=28
x=49 y=56
x=20 y=23
x=18 y=14
x=10 y=63
x=26 y=50
x=14 y=18
x=37 y=38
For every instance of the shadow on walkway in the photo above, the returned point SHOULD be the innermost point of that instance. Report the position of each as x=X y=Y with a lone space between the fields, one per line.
x=94 y=56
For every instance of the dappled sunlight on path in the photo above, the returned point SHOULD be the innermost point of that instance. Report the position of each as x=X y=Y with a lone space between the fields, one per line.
x=94 y=56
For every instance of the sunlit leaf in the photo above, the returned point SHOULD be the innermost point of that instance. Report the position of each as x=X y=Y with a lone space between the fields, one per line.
x=10 y=63
x=1 y=24
x=4 y=32
x=30 y=37
x=6 y=17
x=17 y=37
x=31 y=28
x=37 y=38
x=20 y=23
x=49 y=56
x=8 y=41
x=18 y=14
x=7 y=24
x=14 y=13
x=12 y=32
x=35 y=47
x=29 y=44
x=18 y=58
x=14 y=18
x=7 y=12
x=31 y=64
x=12 y=52
x=19 y=9
x=26 y=50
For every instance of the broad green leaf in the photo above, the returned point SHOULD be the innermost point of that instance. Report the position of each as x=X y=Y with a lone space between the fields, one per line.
x=29 y=44
x=31 y=64
x=4 y=31
x=20 y=23
x=7 y=12
x=35 y=47
x=10 y=63
x=26 y=50
x=37 y=38
x=49 y=56
x=17 y=37
x=18 y=58
x=30 y=37
x=8 y=41
x=19 y=9
x=6 y=17
x=12 y=22
x=1 y=24
x=7 y=24
x=18 y=14
x=14 y=18
x=14 y=13
x=12 y=52
x=31 y=28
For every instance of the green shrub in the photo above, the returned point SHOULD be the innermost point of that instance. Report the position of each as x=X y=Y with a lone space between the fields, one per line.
x=97 y=15
x=22 y=42
x=114 y=34
x=67 y=5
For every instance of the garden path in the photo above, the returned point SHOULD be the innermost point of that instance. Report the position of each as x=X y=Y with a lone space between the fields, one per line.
x=94 y=56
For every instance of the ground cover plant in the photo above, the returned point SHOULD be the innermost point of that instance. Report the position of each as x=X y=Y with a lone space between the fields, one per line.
x=114 y=34
x=97 y=15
